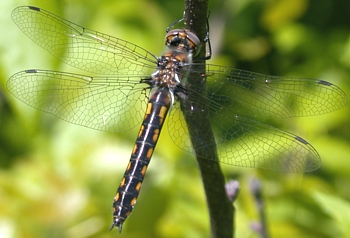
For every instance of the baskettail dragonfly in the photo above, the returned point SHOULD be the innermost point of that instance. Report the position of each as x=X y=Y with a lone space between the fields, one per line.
x=127 y=85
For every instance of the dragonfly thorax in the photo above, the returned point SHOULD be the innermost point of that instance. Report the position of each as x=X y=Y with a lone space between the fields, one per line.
x=170 y=66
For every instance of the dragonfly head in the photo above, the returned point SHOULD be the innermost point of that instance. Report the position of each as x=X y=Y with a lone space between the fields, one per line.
x=183 y=40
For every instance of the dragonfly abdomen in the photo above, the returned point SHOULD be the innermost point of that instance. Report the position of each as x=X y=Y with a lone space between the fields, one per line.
x=129 y=188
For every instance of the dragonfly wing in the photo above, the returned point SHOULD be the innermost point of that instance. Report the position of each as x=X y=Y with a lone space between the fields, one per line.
x=82 y=48
x=246 y=142
x=177 y=128
x=101 y=103
x=263 y=96
x=250 y=143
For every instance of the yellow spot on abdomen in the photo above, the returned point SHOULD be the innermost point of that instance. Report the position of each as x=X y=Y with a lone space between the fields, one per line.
x=163 y=111
x=141 y=130
x=134 y=149
x=116 y=198
x=149 y=153
x=133 y=202
x=143 y=171
x=138 y=186
x=148 y=109
x=155 y=135
x=122 y=183
x=128 y=167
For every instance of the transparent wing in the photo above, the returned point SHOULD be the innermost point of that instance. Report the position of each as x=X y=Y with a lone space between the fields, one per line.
x=245 y=142
x=249 y=143
x=101 y=103
x=83 y=48
x=264 y=96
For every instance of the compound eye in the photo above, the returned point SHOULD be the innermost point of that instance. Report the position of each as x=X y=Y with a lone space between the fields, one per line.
x=185 y=37
x=195 y=42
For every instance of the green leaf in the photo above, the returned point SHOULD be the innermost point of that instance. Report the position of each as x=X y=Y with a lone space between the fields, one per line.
x=337 y=208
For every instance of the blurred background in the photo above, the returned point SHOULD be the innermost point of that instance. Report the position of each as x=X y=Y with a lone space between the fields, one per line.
x=58 y=179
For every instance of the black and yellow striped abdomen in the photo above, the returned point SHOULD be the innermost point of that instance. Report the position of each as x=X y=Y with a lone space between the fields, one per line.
x=129 y=188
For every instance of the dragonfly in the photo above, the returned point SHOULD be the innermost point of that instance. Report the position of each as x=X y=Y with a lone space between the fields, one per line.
x=125 y=85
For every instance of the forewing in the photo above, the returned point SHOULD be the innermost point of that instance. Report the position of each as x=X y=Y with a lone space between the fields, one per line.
x=83 y=48
x=256 y=95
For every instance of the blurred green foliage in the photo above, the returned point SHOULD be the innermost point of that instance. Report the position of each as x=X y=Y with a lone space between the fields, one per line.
x=58 y=179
